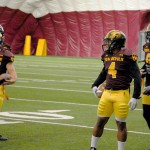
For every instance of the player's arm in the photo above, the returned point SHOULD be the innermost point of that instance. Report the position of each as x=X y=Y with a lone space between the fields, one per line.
x=135 y=73
x=143 y=75
x=143 y=71
x=11 y=76
x=100 y=79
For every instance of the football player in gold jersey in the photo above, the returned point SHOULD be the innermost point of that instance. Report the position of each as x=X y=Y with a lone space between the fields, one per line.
x=7 y=70
x=119 y=69
x=146 y=74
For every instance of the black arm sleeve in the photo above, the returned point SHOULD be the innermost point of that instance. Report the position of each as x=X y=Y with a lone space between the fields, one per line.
x=143 y=70
x=101 y=78
x=135 y=73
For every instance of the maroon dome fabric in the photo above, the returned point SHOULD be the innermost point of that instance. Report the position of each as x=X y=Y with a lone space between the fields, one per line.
x=72 y=28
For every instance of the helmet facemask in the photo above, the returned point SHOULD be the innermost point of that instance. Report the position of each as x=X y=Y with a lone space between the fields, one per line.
x=147 y=36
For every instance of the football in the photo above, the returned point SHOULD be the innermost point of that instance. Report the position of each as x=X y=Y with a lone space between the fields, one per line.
x=99 y=93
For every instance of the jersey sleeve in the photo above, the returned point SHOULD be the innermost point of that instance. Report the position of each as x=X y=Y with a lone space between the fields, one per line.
x=135 y=73
x=101 y=78
x=131 y=56
x=143 y=71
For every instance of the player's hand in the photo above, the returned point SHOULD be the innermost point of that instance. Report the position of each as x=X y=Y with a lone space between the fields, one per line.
x=133 y=103
x=142 y=72
x=97 y=92
x=147 y=90
x=3 y=76
x=94 y=89
x=9 y=81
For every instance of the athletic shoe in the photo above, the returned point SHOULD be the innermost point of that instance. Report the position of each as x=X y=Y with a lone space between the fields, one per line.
x=92 y=148
x=3 y=138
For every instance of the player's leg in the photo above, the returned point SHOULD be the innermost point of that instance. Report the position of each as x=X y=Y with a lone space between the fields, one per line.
x=98 y=131
x=104 y=112
x=121 y=110
x=146 y=108
x=122 y=134
x=1 y=104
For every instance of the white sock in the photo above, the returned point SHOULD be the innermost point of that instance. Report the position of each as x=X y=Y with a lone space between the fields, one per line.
x=121 y=145
x=94 y=141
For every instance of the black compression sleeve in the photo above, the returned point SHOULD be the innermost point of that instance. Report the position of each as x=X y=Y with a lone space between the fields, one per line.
x=135 y=73
x=100 y=79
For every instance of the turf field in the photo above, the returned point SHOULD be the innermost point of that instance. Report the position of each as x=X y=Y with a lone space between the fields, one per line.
x=51 y=107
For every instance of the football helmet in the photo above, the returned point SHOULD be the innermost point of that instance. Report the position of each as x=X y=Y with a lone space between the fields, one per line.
x=147 y=34
x=114 y=39
x=1 y=34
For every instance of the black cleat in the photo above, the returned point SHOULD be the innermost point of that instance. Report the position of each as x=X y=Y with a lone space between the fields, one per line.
x=92 y=148
x=3 y=138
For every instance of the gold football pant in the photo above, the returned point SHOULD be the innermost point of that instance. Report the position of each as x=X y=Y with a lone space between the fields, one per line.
x=114 y=101
x=146 y=99
x=2 y=96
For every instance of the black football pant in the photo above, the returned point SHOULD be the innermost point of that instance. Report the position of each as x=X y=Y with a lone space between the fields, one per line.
x=146 y=114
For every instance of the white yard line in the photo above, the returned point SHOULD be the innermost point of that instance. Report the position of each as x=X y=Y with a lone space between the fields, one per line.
x=88 y=82
x=71 y=66
x=70 y=125
x=60 y=75
x=44 y=101
x=55 y=89
x=63 y=124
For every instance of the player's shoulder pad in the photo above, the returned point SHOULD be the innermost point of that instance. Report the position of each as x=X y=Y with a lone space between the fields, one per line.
x=9 y=55
x=130 y=54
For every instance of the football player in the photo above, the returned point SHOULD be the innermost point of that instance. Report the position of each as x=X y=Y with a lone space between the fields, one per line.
x=120 y=67
x=146 y=74
x=7 y=70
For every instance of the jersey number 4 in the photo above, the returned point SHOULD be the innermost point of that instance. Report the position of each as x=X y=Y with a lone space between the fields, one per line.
x=111 y=70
